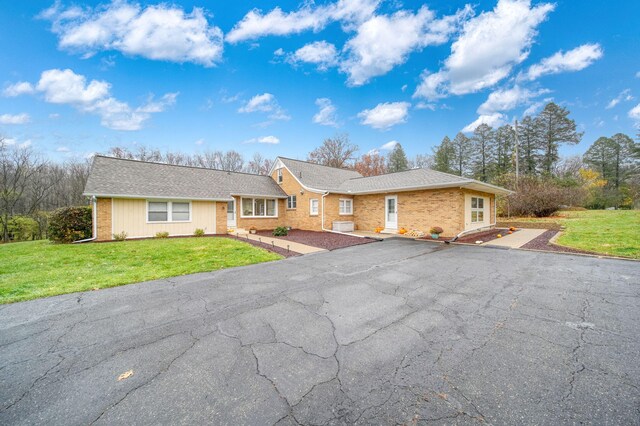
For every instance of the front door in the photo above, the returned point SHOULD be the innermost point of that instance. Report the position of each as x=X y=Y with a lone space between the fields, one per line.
x=231 y=214
x=391 y=212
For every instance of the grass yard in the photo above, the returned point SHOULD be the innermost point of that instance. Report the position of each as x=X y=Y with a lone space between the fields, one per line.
x=39 y=269
x=611 y=232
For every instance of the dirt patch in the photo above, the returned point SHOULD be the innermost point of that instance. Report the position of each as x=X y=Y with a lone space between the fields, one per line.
x=541 y=242
x=325 y=240
x=483 y=236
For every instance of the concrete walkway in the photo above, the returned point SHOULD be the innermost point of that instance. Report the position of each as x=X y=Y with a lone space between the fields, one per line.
x=285 y=244
x=517 y=239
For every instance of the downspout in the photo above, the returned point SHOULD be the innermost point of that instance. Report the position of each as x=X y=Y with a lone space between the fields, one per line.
x=94 y=224
x=495 y=220
x=331 y=230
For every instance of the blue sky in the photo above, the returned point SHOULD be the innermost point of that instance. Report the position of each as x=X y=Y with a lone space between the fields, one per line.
x=79 y=77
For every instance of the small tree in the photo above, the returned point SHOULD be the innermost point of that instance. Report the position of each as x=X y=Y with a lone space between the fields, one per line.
x=69 y=224
x=397 y=160
x=371 y=165
x=334 y=152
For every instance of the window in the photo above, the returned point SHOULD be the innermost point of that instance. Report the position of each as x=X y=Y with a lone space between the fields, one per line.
x=259 y=207
x=346 y=206
x=313 y=207
x=279 y=175
x=477 y=209
x=168 y=211
x=292 y=202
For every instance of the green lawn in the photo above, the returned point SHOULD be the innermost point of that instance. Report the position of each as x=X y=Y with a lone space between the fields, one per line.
x=39 y=269
x=611 y=232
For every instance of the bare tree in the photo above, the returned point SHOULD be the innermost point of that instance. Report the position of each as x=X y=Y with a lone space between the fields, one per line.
x=259 y=165
x=422 y=161
x=337 y=151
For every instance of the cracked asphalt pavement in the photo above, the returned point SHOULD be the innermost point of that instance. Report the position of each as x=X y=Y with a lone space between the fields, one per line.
x=395 y=332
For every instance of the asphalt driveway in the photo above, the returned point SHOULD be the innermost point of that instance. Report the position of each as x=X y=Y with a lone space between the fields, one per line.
x=385 y=333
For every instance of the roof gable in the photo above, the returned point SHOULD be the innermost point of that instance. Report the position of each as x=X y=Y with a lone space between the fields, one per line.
x=317 y=176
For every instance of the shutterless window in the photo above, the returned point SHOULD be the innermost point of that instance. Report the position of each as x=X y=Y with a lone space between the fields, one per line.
x=346 y=206
x=477 y=209
x=179 y=212
x=158 y=212
x=259 y=207
x=247 y=207
x=279 y=175
x=292 y=202
x=271 y=207
x=313 y=207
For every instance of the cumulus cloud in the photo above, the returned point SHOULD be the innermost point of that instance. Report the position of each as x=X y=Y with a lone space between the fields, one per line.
x=326 y=114
x=159 y=32
x=426 y=105
x=17 y=89
x=14 y=118
x=94 y=97
x=625 y=95
x=385 y=115
x=389 y=146
x=266 y=103
x=493 y=120
x=634 y=113
x=573 y=60
x=272 y=140
x=488 y=48
x=320 y=53
x=385 y=41
x=508 y=99
x=255 y=24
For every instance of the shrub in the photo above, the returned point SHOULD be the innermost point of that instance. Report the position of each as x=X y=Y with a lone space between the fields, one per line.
x=69 y=224
x=164 y=234
x=23 y=228
x=280 y=231
x=198 y=232
x=120 y=237
x=538 y=197
x=436 y=230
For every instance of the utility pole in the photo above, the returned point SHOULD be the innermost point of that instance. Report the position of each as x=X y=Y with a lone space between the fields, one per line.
x=517 y=157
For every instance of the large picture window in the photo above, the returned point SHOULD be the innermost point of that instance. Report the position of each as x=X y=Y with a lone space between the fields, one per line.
x=477 y=209
x=168 y=211
x=259 y=207
x=346 y=206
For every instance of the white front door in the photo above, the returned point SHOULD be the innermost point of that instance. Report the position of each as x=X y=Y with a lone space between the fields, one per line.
x=231 y=214
x=391 y=212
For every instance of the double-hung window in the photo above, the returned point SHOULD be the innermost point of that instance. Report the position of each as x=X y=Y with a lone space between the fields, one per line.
x=279 y=171
x=313 y=207
x=259 y=207
x=292 y=202
x=346 y=206
x=477 y=209
x=168 y=211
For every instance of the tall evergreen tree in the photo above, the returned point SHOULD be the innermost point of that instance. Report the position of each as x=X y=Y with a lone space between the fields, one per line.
x=556 y=128
x=444 y=156
x=397 y=160
x=599 y=156
x=504 y=145
x=529 y=145
x=483 y=151
x=612 y=158
x=462 y=152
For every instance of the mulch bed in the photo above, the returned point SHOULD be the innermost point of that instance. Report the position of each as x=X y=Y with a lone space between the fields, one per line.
x=541 y=242
x=483 y=236
x=279 y=250
x=325 y=240
x=535 y=225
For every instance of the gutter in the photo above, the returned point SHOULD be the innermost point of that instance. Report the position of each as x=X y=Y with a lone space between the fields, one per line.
x=331 y=230
x=94 y=224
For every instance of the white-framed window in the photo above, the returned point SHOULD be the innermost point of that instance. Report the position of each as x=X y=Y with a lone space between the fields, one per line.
x=346 y=206
x=279 y=172
x=168 y=211
x=292 y=202
x=313 y=206
x=259 y=207
x=477 y=209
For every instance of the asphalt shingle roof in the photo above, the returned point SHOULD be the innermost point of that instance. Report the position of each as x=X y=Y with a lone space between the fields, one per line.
x=415 y=178
x=317 y=176
x=120 y=177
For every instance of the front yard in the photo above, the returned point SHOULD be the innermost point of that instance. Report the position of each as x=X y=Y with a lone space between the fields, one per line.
x=610 y=232
x=39 y=269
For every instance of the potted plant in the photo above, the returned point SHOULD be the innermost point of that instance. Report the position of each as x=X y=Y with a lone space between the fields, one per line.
x=253 y=229
x=435 y=232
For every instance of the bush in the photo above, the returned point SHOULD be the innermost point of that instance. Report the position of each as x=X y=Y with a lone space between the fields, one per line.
x=280 y=231
x=22 y=228
x=436 y=230
x=164 y=234
x=198 y=233
x=538 y=197
x=69 y=224
x=120 y=237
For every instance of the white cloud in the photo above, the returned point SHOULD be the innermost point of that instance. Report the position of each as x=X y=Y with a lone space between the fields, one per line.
x=487 y=49
x=14 y=118
x=384 y=41
x=625 y=95
x=272 y=140
x=385 y=115
x=63 y=149
x=326 y=115
x=267 y=103
x=425 y=105
x=573 y=60
x=199 y=142
x=255 y=24
x=17 y=89
x=159 y=32
x=54 y=116
x=634 y=113
x=389 y=146
x=638 y=74
x=493 y=120
x=66 y=87
x=507 y=99
x=320 y=53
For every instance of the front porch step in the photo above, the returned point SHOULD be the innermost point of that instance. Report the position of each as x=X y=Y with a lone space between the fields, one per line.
x=389 y=231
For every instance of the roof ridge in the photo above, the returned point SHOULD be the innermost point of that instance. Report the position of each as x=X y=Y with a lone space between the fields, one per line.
x=178 y=165
x=412 y=170
x=316 y=164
